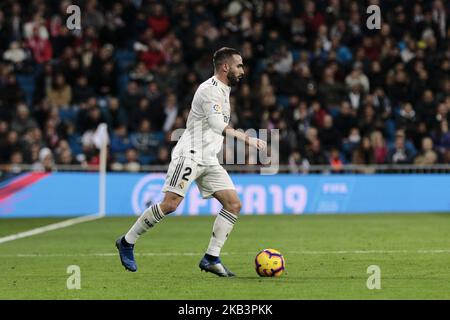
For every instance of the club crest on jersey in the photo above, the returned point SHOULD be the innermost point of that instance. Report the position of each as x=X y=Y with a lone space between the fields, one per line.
x=217 y=108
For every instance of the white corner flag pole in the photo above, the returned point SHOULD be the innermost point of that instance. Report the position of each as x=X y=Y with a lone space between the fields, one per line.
x=102 y=178
x=102 y=144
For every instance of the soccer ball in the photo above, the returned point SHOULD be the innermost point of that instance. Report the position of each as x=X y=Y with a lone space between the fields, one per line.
x=269 y=263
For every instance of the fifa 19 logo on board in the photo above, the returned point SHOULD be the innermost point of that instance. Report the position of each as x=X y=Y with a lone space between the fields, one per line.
x=73 y=22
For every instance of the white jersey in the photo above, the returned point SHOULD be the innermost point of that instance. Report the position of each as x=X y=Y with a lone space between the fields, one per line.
x=209 y=115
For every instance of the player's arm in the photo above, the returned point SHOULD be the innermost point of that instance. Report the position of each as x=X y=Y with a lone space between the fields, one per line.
x=219 y=126
x=251 y=141
x=213 y=109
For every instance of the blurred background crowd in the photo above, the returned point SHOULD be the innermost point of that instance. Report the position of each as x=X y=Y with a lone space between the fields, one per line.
x=338 y=92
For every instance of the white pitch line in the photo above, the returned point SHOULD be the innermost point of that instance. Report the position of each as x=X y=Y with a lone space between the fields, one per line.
x=50 y=227
x=150 y=254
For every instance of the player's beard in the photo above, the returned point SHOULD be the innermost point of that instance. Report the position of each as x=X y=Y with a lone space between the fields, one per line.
x=232 y=79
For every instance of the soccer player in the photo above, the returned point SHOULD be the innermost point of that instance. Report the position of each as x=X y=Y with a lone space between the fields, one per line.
x=194 y=158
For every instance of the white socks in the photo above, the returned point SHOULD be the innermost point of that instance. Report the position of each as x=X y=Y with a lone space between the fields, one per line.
x=223 y=225
x=147 y=220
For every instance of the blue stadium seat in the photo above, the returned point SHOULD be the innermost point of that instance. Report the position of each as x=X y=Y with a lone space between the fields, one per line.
x=122 y=83
x=283 y=101
x=125 y=59
x=75 y=143
x=146 y=158
x=69 y=115
x=26 y=83
x=120 y=157
x=295 y=55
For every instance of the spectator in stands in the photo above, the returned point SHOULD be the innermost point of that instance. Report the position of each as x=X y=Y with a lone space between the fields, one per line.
x=60 y=93
x=130 y=99
x=45 y=162
x=116 y=115
x=442 y=137
x=427 y=155
x=442 y=114
x=407 y=119
x=132 y=161
x=346 y=119
x=39 y=45
x=364 y=153
x=22 y=120
x=15 y=55
x=105 y=81
x=151 y=55
x=399 y=153
x=158 y=21
x=315 y=154
x=146 y=141
x=355 y=97
x=329 y=136
x=358 y=78
x=9 y=144
x=297 y=163
x=141 y=75
x=66 y=158
x=16 y=161
x=10 y=95
x=92 y=17
x=379 y=146
x=331 y=90
x=43 y=82
x=120 y=141
x=163 y=156
x=171 y=112
x=335 y=160
x=81 y=91
x=426 y=108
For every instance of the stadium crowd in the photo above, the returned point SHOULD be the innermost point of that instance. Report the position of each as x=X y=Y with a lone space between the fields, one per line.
x=339 y=92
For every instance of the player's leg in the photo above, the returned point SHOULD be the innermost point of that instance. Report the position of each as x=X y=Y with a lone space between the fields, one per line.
x=153 y=215
x=217 y=183
x=225 y=220
x=180 y=175
x=149 y=218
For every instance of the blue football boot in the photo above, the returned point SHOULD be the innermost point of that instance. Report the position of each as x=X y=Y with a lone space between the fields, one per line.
x=126 y=255
x=215 y=266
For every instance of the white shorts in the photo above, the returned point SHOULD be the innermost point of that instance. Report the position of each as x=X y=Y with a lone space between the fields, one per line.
x=210 y=179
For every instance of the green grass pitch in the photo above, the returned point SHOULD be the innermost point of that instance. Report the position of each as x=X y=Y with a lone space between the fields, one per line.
x=327 y=257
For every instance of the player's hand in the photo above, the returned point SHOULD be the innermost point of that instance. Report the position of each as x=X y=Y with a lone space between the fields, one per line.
x=257 y=143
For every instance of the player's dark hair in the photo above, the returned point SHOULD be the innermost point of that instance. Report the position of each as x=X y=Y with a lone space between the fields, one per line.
x=223 y=54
